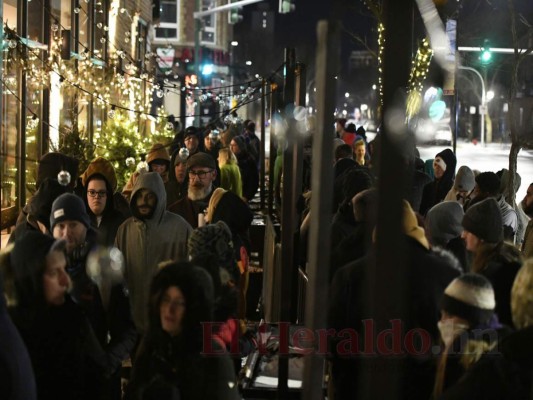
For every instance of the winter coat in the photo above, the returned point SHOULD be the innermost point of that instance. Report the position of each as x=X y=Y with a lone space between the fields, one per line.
x=189 y=209
x=501 y=271
x=111 y=218
x=249 y=175
x=174 y=367
x=64 y=351
x=435 y=192
x=110 y=317
x=17 y=381
x=350 y=248
x=230 y=178
x=343 y=224
x=428 y=274
x=146 y=243
x=504 y=375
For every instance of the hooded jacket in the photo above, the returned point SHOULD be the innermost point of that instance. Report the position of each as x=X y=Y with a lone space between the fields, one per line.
x=435 y=192
x=111 y=218
x=146 y=243
x=174 y=367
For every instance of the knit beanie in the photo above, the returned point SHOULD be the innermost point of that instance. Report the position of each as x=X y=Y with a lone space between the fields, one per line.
x=103 y=167
x=484 y=219
x=470 y=297
x=69 y=207
x=464 y=180
x=488 y=182
x=443 y=222
x=41 y=205
x=52 y=163
x=214 y=239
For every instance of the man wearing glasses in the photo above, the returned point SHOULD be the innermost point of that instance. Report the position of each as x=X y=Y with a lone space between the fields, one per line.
x=202 y=172
x=100 y=183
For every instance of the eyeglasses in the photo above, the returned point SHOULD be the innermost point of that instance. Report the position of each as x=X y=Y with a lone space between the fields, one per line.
x=94 y=193
x=199 y=174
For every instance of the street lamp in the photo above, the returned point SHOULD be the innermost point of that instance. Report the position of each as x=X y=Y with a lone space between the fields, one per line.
x=483 y=107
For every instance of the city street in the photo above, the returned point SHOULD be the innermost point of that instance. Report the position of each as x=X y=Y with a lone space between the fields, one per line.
x=493 y=157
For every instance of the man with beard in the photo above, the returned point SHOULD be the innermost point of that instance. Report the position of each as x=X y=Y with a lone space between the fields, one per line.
x=527 y=207
x=150 y=236
x=201 y=168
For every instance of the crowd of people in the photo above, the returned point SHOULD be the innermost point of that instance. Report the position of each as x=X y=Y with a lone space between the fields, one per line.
x=79 y=320
x=467 y=254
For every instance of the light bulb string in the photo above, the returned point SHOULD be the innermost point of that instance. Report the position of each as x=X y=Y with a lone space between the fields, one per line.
x=34 y=114
x=130 y=57
x=117 y=106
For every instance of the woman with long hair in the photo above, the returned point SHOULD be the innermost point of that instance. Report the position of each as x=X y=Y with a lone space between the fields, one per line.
x=493 y=258
x=230 y=175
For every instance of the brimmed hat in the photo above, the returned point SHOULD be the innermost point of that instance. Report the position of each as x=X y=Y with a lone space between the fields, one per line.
x=201 y=160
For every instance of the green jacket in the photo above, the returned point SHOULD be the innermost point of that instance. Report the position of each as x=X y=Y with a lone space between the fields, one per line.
x=230 y=178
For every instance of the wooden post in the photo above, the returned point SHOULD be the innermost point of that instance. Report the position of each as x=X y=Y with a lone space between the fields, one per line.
x=316 y=303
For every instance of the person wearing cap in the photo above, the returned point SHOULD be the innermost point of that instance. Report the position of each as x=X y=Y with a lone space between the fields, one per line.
x=100 y=182
x=202 y=174
x=444 y=171
x=468 y=328
x=150 y=236
x=212 y=143
x=37 y=211
x=488 y=185
x=508 y=373
x=493 y=258
x=177 y=178
x=60 y=340
x=107 y=307
x=191 y=141
x=247 y=166
x=463 y=186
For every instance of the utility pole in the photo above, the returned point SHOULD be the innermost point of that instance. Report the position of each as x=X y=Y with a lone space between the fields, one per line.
x=483 y=107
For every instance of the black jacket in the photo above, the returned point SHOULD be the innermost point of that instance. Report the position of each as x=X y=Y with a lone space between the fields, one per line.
x=429 y=275
x=504 y=375
x=249 y=175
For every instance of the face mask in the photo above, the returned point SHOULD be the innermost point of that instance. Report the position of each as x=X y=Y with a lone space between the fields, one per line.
x=449 y=330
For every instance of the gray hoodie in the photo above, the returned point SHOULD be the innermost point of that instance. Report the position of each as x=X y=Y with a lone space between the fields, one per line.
x=146 y=243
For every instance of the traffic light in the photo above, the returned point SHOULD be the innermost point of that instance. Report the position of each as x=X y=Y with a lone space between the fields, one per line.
x=235 y=16
x=486 y=54
x=286 y=6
